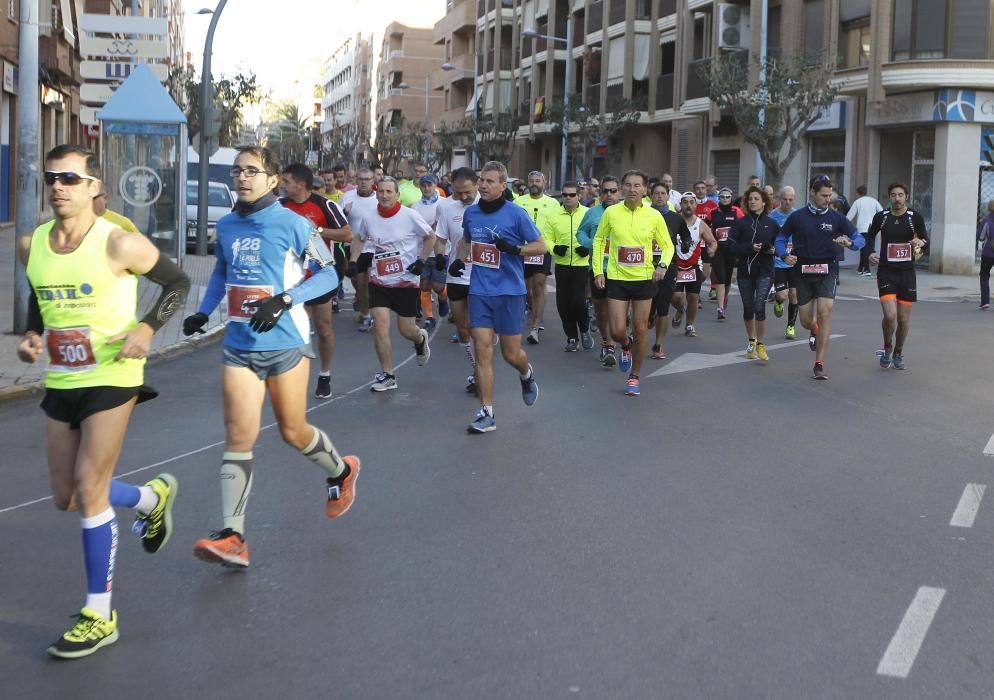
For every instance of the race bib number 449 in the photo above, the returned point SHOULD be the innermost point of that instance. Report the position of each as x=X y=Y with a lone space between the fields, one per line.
x=388 y=264
x=70 y=349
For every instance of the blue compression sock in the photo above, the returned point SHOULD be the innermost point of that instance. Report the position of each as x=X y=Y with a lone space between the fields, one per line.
x=124 y=495
x=99 y=551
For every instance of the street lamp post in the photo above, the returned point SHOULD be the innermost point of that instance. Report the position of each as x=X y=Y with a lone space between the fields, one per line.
x=427 y=140
x=474 y=72
x=568 y=80
x=203 y=165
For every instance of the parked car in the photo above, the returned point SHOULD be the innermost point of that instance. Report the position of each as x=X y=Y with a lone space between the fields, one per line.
x=220 y=200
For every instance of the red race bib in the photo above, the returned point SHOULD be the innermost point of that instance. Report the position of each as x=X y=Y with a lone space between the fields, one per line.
x=239 y=298
x=898 y=252
x=686 y=276
x=819 y=269
x=70 y=349
x=631 y=256
x=721 y=233
x=485 y=255
x=388 y=264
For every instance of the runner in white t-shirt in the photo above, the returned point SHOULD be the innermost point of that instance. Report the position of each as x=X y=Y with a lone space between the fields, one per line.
x=398 y=240
x=357 y=205
x=448 y=233
x=431 y=278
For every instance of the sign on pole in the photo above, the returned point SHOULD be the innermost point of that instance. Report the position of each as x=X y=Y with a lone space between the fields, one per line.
x=129 y=49
x=88 y=115
x=94 y=93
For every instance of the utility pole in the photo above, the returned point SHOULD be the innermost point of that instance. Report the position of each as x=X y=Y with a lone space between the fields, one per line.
x=566 y=88
x=208 y=115
x=27 y=150
x=763 y=19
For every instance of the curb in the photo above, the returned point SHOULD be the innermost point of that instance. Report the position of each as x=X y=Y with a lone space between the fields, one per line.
x=184 y=347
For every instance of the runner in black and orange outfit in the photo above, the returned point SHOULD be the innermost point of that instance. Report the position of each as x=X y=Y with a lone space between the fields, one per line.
x=902 y=241
x=721 y=219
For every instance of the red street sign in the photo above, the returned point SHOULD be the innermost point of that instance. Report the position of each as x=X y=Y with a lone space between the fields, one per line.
x=93 y=132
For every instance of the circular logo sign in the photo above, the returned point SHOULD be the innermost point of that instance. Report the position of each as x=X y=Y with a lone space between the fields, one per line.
x=140 y=186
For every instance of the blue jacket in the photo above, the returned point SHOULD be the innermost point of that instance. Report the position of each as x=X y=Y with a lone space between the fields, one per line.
x=814 y=235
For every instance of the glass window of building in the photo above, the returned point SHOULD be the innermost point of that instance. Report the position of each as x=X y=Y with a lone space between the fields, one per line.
x=854 y=33
x=937 y=29
x=827 y=156
x=814 y=29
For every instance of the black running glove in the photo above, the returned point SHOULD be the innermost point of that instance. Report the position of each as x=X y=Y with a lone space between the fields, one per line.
x=684 y=247
x=194 y=324
x=267 y=313
x=582 y=250
x=505 y=247
x=456 y=268
x=416 y=267
x=560 y=250
x=364 y=262
x=351 y=270
x=441 y=261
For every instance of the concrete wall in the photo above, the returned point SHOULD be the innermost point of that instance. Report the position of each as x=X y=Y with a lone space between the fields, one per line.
x=955 y=183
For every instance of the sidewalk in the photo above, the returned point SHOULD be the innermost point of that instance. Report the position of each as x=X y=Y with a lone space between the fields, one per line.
x=18 y=379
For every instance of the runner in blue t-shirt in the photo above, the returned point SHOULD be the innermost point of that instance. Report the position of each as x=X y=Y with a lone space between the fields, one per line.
x=262 y=249
x=784 y=279
x=496 y=236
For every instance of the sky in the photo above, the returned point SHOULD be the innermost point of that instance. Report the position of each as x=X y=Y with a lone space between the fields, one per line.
x=286 y=49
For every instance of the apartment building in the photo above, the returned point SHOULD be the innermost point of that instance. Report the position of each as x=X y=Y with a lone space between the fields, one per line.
x=916 y=81
x=407 y=59
x=347 y=80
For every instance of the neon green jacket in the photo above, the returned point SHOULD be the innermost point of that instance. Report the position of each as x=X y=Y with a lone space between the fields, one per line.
x=559 y=227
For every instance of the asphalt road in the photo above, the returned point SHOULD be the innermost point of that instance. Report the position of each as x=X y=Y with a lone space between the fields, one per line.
x=737 y=532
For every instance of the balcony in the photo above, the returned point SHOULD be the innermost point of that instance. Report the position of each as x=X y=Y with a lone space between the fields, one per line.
x=696 y=87
x=664 y=92
x=55 y=56
x=616 y=13
x=459 y=19
x=504 y=60
x=595 y=18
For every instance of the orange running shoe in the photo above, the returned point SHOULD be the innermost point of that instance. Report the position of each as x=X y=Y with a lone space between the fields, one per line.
x=341 y=495
x=227 y=548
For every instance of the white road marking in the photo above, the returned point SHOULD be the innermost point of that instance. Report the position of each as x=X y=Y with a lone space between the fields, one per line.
x=969 y=504
x=907 y=641
x=190 y=453
x=989 y=448
x=691 y=361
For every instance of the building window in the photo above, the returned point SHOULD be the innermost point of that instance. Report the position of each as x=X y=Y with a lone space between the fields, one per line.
x=922 y=170
x=936 y=29
x=854 y=44
x=726 y=168
x=828 y=157
x=814 y=28
x=773 y=32
x=12 y=9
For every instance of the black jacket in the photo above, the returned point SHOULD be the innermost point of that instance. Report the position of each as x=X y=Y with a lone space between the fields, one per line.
x=745 y=232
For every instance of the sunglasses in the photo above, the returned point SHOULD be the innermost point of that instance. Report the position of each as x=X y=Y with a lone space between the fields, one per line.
x=249 y=171
x=608 y=190
x=724 y=196
x=67 y=178
x=569 y=194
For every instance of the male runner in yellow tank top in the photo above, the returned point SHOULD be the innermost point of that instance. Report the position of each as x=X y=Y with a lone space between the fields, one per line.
x=83 y=273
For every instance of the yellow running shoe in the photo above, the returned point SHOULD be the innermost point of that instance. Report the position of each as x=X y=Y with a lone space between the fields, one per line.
x=761 y=351
x=751 y=351
x=156 y=527
x=90 y=632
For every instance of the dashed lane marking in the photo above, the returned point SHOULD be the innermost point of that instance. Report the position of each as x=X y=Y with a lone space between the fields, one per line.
x=907 y=641
x=969 y=504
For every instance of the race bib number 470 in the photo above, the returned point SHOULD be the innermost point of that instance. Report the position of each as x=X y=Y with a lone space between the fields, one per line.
x=239 y=298
x=70 y=349
x=485 y=255
x=631 y=256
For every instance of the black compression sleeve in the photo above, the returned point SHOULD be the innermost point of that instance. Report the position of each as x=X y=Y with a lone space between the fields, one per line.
x=35 y=322
x=175 y=286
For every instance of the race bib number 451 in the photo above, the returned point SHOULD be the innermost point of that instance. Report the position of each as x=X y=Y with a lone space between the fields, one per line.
x=485 y=255
x=239 y=298
x=70 y=349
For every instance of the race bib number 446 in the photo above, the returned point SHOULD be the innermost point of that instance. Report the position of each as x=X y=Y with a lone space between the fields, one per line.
x=70 y=349
x=239 y=298
x=631 y=256
x=485 y=255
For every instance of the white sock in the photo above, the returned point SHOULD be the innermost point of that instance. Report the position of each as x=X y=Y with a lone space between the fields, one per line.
x=324 y=374
x=489 y=410
x=99 y=603
x=148 y=500
x=528 y=374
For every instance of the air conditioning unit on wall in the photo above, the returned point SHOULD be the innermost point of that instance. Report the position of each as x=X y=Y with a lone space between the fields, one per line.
x=732 y=26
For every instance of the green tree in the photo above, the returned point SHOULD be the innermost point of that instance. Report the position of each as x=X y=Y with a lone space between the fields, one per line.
x=588 y=127
x=774 y=113
x=231 y=95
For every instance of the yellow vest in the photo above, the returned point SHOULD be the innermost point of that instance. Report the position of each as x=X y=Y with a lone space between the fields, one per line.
x=83 y=303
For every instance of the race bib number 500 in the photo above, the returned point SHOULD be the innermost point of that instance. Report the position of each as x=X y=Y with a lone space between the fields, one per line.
x=70 y=349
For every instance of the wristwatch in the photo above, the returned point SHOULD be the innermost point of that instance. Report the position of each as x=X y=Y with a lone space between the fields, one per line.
x=286 y=299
